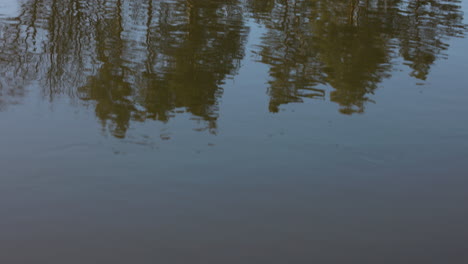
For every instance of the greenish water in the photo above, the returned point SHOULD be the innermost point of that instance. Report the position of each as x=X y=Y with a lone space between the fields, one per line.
x=233 y=131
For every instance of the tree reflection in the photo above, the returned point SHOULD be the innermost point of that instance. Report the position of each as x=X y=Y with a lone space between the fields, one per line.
x=177 y=61
x=148 y=60
x=349 y=45
x=133 y=60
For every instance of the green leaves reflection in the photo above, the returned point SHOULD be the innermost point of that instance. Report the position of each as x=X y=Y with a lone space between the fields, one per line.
x=149 y=60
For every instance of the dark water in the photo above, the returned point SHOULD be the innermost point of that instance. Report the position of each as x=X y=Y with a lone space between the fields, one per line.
x=233 y=131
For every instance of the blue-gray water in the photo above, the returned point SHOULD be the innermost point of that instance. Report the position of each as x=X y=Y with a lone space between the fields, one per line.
x=233 y=131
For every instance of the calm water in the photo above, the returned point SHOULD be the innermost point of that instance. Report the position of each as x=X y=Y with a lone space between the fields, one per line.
x=233 y=131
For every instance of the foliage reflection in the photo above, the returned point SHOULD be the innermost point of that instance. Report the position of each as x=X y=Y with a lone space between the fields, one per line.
x=142 y=59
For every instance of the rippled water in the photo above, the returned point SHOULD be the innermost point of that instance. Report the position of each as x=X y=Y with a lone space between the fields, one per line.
x=233 y=131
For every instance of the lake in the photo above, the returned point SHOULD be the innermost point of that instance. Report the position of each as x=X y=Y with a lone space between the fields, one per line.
x=233 y=131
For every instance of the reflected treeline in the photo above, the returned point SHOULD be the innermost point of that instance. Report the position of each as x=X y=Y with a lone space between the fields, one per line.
x=134 y=60
x=350 y=45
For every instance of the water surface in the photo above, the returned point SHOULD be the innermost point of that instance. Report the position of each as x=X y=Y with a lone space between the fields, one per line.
x=233 y=131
